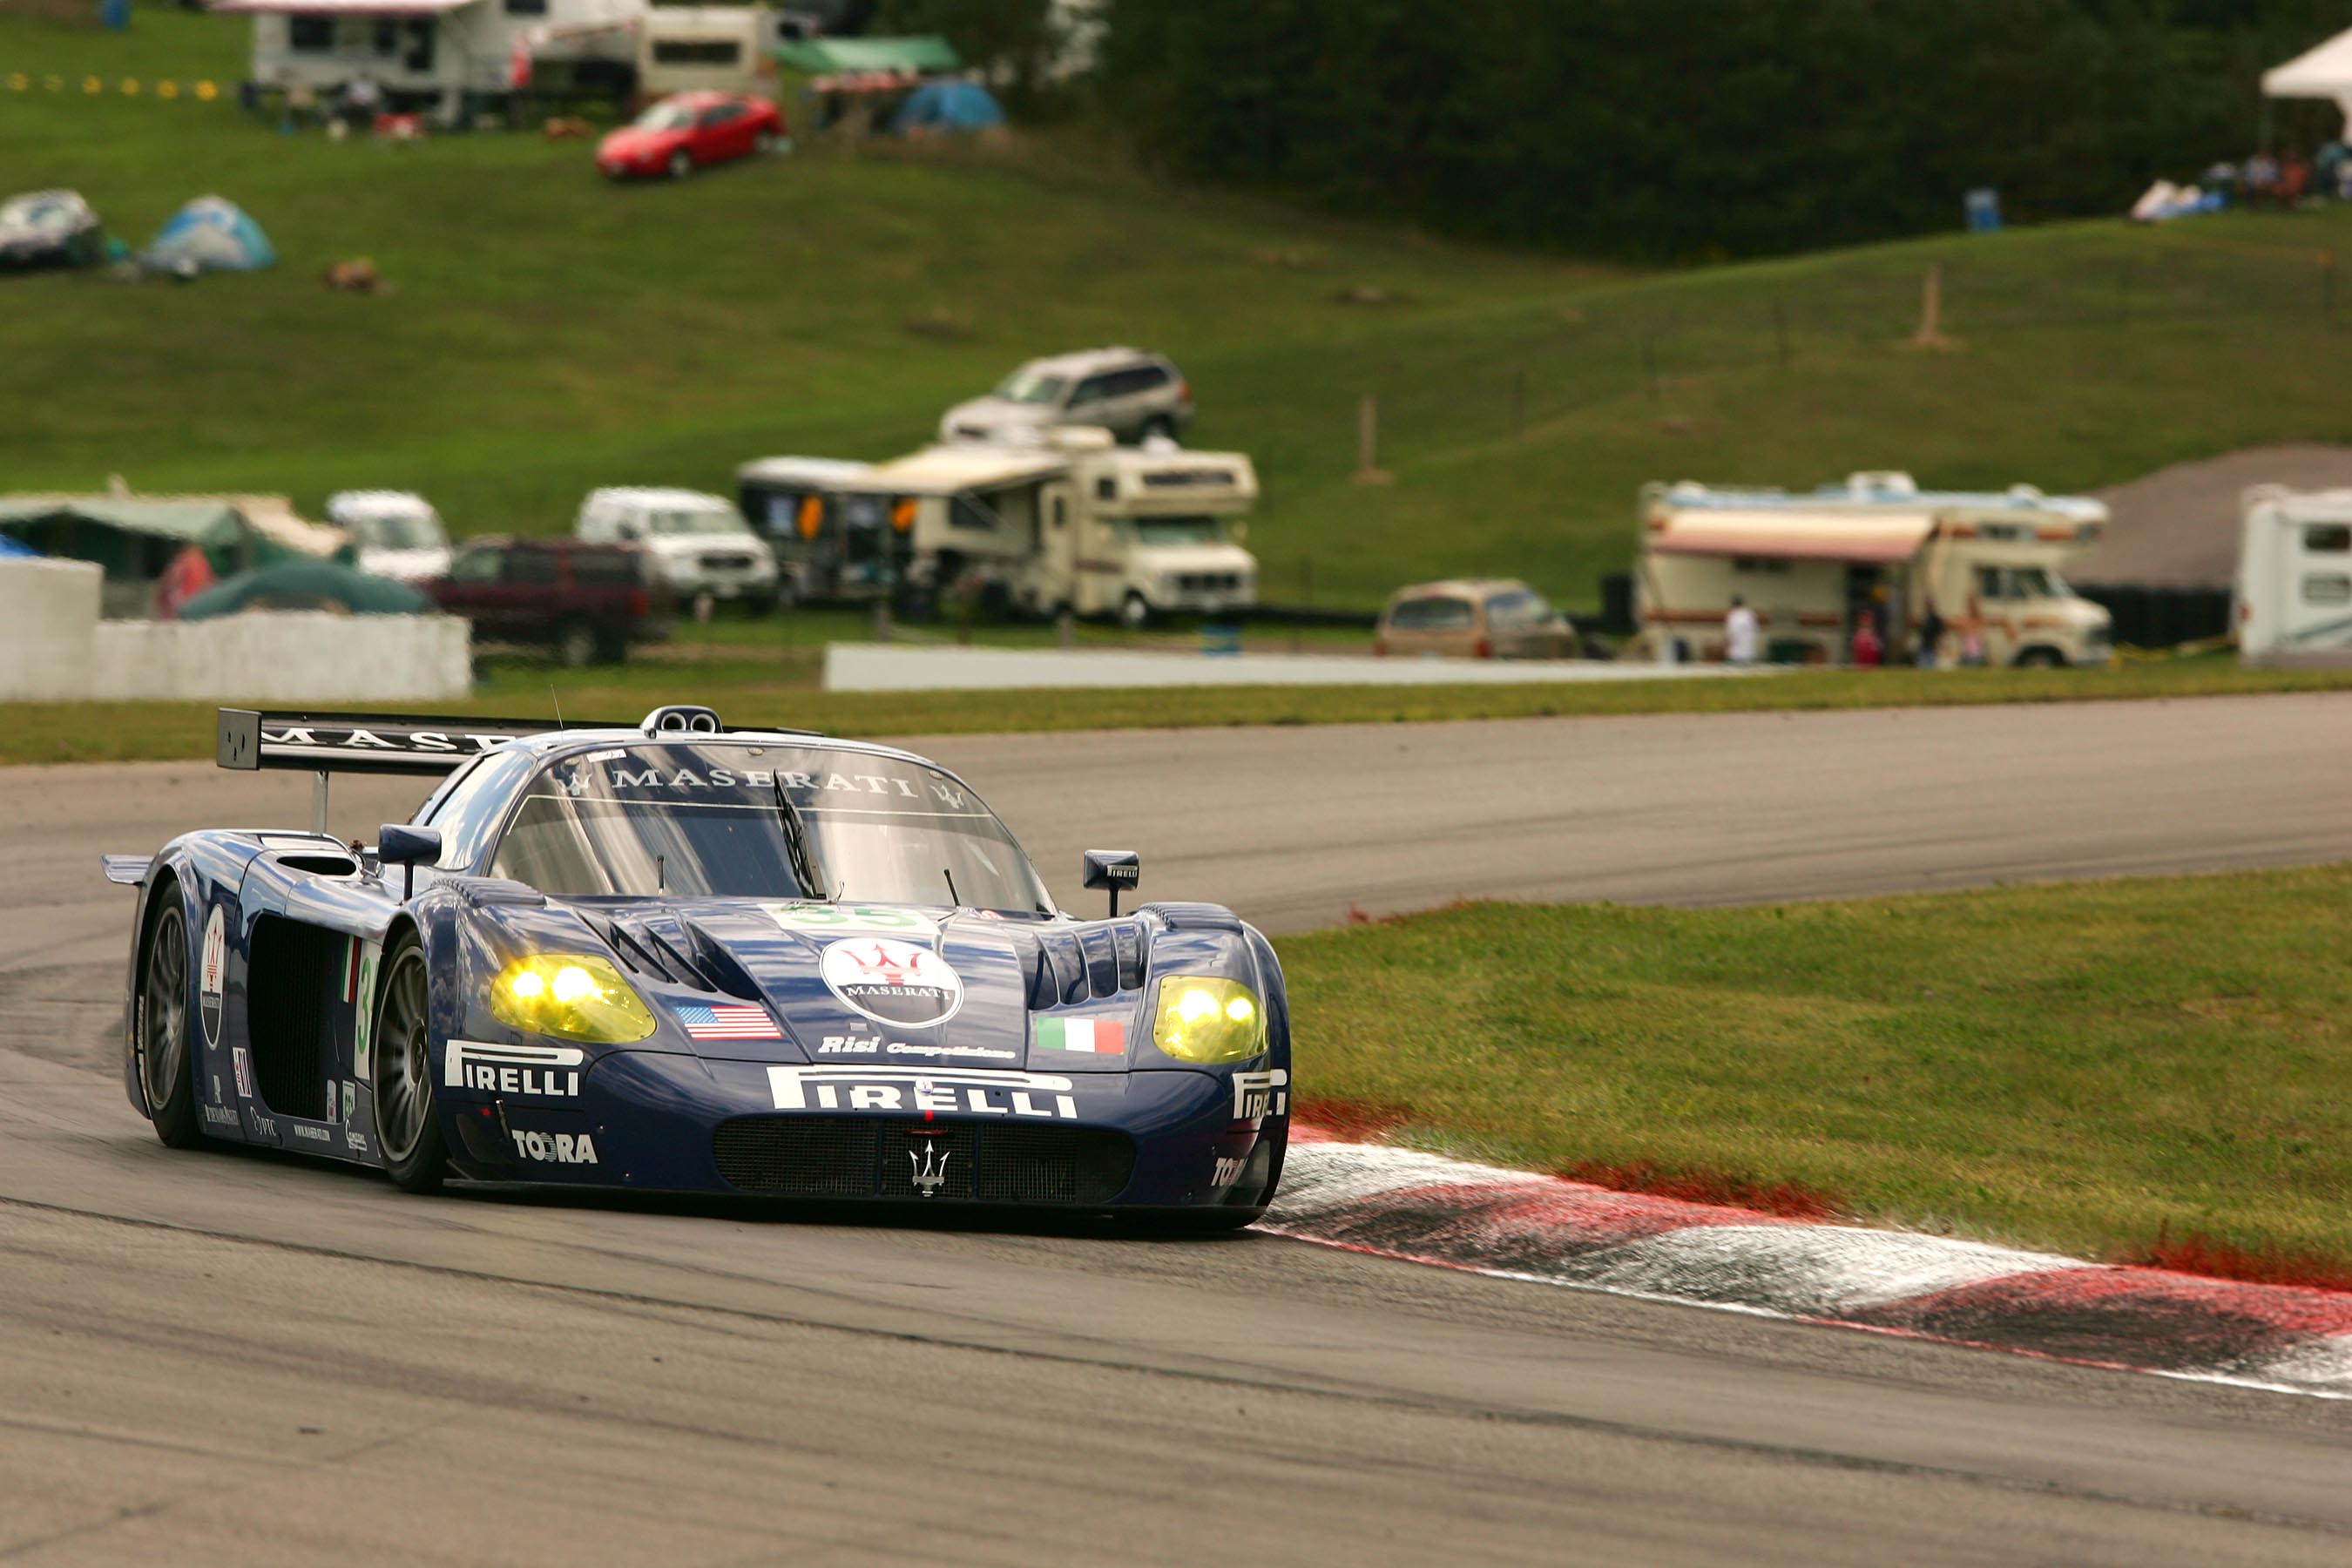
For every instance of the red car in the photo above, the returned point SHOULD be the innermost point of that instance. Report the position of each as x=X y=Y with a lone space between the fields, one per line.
x=687 y=130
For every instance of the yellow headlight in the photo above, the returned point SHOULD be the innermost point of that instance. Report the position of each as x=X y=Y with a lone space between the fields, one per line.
x=571 y=998
x=1207 y=1021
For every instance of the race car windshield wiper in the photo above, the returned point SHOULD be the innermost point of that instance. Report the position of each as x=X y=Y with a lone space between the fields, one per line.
x=797 y=853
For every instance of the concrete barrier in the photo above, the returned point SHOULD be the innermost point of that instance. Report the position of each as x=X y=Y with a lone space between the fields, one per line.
x=286 y=656
x=49 y=612
x=889 y=666
x=54 y=647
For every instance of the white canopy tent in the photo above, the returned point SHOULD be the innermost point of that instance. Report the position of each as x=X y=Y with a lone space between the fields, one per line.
x=2325 y=73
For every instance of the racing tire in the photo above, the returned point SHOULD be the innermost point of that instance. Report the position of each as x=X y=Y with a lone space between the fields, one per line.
x=682 y=164
x=165 y=1070
x=407 y=1131
x=1134 y=611
x=575 y=644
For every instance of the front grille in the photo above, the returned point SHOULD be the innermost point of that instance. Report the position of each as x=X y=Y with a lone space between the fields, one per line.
x=1055 y=1165
x=726 y=563
x=812 y=1157
x=865 y=1157
x=1209 y=581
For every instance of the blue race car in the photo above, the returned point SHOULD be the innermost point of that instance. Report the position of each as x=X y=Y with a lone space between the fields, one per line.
x=678 y=957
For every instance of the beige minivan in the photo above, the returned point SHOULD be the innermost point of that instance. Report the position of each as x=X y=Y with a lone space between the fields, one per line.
x=1473 y=618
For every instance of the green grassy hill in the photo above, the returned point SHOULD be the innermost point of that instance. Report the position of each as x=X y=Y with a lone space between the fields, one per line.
x=549 y=334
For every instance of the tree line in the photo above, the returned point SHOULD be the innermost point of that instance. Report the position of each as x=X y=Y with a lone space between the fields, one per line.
x=1682 y=129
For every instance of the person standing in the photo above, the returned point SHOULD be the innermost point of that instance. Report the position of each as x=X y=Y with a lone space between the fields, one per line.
x=1740 y=634
x=1868 y=650
x=1931 y=636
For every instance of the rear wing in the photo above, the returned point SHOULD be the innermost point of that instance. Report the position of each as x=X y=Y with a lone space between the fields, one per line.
x=368 y=742
x=324 y=743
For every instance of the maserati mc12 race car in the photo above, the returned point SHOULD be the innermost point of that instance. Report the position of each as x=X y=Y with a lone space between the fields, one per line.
x=678 y=957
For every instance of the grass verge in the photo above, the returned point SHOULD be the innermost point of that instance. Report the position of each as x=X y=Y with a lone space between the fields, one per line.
x=2152 y=1070
x=758 y=691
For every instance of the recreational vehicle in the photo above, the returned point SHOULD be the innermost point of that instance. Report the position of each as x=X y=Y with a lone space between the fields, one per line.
x=1068 y=523
x=453 y=58
x=2294 y=593
x=1813 y=565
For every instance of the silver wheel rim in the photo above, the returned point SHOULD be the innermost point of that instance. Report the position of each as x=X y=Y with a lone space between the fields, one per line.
x=404 y=1072
x=163 y=1031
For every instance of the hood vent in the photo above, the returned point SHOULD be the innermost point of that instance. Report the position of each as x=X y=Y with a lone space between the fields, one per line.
x=643 y=949
x=1087 y=965
x=683 y=954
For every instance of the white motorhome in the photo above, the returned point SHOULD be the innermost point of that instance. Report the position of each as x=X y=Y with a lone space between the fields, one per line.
x=2292 y=599
x=1068 y=523
x=1810 y=564
x=450 y=57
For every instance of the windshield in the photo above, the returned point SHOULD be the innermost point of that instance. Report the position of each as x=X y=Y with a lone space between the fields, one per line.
x=710 y=520
x=399 y=531
x=1517 y=611
x=1027 y=386
x=666 y=116
x=1180 y=531
x=767 y=822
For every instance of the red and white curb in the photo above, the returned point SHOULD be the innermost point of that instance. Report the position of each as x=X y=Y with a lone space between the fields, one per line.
x=1401 y=1203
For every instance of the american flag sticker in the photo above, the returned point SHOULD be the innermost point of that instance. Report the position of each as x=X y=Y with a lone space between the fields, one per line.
x=725 y=1023
x=1096 y=1036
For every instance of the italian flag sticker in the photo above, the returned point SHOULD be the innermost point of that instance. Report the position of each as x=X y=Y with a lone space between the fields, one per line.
x=1099 y=1036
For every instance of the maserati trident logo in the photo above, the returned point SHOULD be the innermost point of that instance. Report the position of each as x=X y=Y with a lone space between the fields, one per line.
x=930 y=1163
x=892 y=982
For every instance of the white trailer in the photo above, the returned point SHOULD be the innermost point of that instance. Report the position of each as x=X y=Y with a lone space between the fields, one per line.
x=1813 y=564
x=2294 y=593
x=446 y=56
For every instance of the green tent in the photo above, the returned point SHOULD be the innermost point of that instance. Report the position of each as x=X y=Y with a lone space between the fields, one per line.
x=307 y=585
x=841 y=57
x=131 y=541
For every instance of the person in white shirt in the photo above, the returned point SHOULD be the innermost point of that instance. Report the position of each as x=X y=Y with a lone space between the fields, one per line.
x=1739 y=632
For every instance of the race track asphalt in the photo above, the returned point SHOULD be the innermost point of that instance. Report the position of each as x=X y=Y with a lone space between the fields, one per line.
x=218 y=1353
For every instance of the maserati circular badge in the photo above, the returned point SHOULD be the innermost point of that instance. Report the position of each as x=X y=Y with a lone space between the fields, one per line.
x=892 y=982
x=213 y=975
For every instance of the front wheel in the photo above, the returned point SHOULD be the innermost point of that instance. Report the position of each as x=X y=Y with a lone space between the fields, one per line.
x=406 y=1129
x=767 y=144
x=163 y=1066
x=682 y=164
x=2040 y=658
x=1134 y=611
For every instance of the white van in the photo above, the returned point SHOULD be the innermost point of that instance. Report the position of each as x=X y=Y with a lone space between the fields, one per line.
x=2294 y=594
x=698 y=543
x=398 y=532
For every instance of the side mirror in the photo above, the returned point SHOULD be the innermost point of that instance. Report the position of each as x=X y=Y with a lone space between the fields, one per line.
x=1113 y=870
x=400 y=844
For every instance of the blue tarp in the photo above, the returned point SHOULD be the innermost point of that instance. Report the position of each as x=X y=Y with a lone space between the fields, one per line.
x=211 y=235
x=15 y=547
x=948 y=106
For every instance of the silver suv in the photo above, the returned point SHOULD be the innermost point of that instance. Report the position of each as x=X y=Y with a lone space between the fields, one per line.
x=1127 y=391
